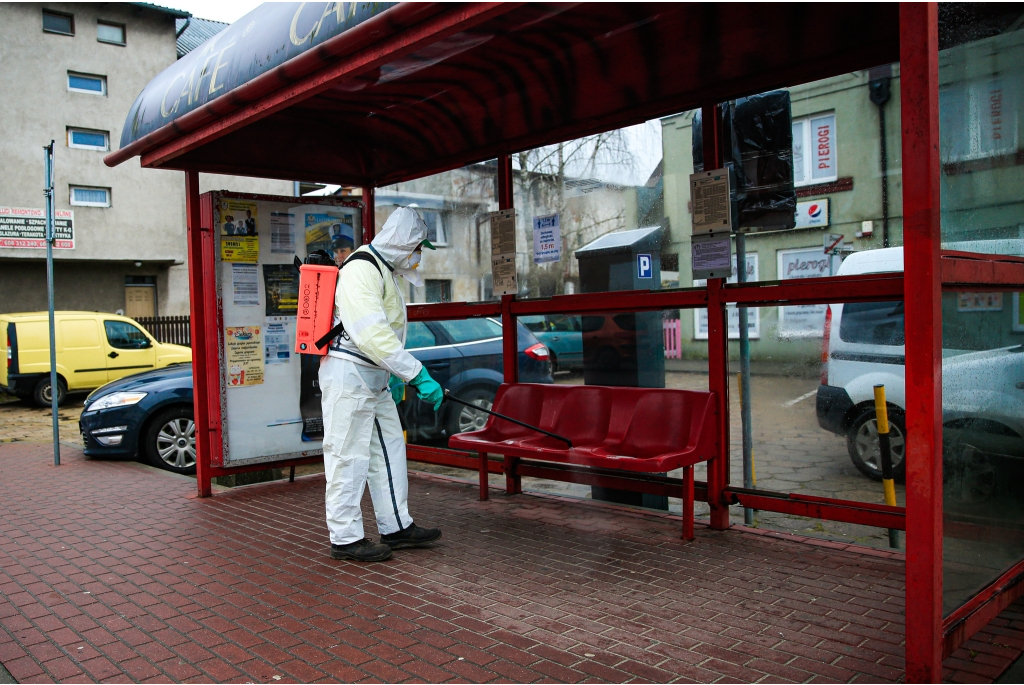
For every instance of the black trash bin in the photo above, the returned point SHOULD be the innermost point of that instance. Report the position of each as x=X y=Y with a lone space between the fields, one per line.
x=623 y=348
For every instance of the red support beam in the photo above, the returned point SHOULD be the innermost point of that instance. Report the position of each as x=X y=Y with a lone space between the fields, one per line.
x=919 y=75
x=505 y=200
x=197 y=324
x=718 y=343
x=369 y=215
x=980 y=609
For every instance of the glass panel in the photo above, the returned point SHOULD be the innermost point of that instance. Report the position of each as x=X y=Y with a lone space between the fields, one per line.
x=813 y=427
x=125 y=336
x=93 y=84
x=110 y=33
x=981 y=107
x=469 y=330
x=99 y=197
x=58 y=23
x=456 y=206
x=569 y=195
x=96 y=139
x=981 y=110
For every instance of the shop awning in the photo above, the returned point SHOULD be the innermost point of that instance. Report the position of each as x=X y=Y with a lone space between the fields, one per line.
x=369 y=94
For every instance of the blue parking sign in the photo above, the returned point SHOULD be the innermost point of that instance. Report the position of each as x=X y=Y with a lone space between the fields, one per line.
x=644 y=266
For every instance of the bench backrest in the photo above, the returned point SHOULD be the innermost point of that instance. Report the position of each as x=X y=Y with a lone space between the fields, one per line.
x=641 y=422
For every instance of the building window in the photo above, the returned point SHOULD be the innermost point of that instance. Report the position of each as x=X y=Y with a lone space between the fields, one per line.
x=107 y=32
x=814 y=149
x=88 y=139
x=84 y=196
x=438 y=290
x=87 y=83
x=436 y=233
x=58 y=22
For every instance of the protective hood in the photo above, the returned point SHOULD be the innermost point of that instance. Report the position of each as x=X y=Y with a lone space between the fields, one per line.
x=398 y=239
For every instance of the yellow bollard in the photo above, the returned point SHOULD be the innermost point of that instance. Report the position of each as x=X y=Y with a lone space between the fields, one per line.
x=885 y=456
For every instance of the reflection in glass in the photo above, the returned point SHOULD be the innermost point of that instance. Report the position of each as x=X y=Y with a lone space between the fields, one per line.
x=981 y=97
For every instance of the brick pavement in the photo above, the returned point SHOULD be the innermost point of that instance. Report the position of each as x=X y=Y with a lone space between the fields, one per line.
x=112 y=571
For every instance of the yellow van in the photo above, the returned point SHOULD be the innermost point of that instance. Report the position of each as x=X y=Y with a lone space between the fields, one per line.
x=93 y=349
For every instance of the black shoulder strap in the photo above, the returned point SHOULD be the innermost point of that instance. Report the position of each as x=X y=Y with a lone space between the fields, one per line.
x=363 y=256
x=340 y=328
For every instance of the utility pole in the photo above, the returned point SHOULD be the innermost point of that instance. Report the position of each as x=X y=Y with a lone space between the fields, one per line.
x=50 y=237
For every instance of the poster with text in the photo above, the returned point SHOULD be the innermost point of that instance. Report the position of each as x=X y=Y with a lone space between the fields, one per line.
x=321 y=228
x=23 y=227
x=238 y=218
x=805 y=320
x=245 y=285
x=278 y=339
x=243 y=352
x=547 y=239
x=282 y=233
x=244 y=250
x=281 y=284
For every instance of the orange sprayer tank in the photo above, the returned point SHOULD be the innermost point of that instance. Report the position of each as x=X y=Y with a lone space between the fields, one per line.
x=316 y=306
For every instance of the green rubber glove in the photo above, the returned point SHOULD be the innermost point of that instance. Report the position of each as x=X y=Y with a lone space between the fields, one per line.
x=397 y=387
x=428 y=388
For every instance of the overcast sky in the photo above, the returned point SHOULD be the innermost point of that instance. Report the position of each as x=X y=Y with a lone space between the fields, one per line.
x=228 y=11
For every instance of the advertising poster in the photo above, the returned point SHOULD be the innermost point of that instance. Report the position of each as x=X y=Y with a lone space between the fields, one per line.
x=282 y=233
x=322 y=228
x=22 y=227
x=805 y=320
x=281 y=283
x=979 y=302
x=700 y=316
x=245 y=286
x=277 y=339
x=238 y=218
x=243 y=250
x=243 y=352
x=547 y=239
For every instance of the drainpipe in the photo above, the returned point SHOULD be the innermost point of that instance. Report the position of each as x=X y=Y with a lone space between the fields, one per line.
x=879 y=92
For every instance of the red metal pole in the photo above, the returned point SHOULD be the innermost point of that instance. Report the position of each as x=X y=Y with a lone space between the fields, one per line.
x=718 y=345
x=505 y=200
x=919 y=73
x=197 y=290
x=369 y=216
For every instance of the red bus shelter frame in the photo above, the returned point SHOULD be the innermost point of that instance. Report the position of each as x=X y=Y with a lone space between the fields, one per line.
x=929 y=635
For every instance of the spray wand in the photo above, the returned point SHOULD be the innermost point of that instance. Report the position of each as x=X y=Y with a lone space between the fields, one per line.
x=450 y=396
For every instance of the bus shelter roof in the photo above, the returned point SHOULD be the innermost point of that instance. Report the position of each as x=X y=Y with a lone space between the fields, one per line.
x=370 y=93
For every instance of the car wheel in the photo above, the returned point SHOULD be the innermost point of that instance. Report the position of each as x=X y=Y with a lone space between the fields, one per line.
x=553 y=360
x=969 y=475
x=862 y=443
x=170 y=441
x=463 y=419
x=43 y=396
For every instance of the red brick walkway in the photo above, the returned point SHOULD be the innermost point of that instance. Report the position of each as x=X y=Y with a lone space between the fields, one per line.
x=115 y=572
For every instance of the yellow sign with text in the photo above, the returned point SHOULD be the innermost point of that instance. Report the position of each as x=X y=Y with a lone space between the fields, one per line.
x=240 y=249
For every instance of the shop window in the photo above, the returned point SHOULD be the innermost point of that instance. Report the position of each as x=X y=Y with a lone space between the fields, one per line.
x=87 y=83
x=439 y=290
x=108 y=32
x=814 y=149
x=58 y=22
x=84 y=196
x=88 y=139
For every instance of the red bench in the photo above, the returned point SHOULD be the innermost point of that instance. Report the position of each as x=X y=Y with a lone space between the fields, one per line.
x=650 y=430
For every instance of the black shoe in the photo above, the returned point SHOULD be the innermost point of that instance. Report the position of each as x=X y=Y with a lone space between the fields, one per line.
x=413 y=536
x=363 y=550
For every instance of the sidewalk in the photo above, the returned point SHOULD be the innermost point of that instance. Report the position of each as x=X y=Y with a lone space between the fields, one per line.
x=115 y=572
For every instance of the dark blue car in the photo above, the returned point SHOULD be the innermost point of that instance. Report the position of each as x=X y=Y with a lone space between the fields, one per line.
x=149 y=415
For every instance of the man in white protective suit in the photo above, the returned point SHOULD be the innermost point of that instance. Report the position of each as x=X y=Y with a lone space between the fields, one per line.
x=361 y=378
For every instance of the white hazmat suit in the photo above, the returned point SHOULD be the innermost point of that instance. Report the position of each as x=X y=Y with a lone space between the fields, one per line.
x=363 y=440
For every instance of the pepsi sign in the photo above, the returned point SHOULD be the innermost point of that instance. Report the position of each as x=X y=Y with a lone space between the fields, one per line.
x=812 y=214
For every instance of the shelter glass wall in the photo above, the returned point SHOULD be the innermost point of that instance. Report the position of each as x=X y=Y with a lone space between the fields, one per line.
x=455 y=206
x=981 y=106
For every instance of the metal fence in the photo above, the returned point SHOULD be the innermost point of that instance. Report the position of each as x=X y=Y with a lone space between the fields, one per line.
x=168 y=329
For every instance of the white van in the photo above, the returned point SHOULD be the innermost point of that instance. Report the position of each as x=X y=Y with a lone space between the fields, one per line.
x=863 y=345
